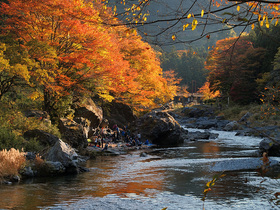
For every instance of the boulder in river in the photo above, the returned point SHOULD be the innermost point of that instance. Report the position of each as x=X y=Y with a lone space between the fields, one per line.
x=206 y=123
x=237 y=164
x=232 y=126
x=161 y=128
x=66 y=155
x=201 y=135
x=270 y=146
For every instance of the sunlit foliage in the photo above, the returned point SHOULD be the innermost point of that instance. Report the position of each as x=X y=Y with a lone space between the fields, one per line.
x=207 y=93
x=73 y=50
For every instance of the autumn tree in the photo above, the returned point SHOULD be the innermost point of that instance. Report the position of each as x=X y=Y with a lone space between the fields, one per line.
x=14 y=65
x=69 y=45
x=149 y=86
x=207 y=93
x=233 y=69
x=77 y=51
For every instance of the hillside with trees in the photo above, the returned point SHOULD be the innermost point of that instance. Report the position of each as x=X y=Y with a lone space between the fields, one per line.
x=56 y=53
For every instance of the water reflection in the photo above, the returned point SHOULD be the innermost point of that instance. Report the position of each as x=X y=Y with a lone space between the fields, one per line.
x=179 y=171
x=210 y=149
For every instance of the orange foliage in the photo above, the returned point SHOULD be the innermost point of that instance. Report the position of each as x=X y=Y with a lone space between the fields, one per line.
x=207 y=93
x=77 y=50
x=233 y=68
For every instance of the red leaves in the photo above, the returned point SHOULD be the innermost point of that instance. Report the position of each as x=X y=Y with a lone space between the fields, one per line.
x=74 y=51
x=232 y=65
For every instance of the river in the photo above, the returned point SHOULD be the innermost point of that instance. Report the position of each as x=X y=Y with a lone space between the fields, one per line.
x=168 y=177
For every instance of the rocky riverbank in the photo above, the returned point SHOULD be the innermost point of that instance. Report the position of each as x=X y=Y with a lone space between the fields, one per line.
x=205 y=118
x=160 y=127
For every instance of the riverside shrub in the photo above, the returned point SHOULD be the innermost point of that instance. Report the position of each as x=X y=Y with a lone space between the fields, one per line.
x=11 y=162
x=8 y=139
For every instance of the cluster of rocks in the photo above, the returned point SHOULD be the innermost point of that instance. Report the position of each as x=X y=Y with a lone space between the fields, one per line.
x=61 y=156
x=60 y=159
x=205 y=119
x=160 y=127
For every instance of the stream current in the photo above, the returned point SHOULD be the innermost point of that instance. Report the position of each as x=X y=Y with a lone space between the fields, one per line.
x=168 y=177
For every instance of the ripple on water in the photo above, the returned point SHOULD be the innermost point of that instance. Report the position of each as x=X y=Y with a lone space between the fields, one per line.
x=160 y=201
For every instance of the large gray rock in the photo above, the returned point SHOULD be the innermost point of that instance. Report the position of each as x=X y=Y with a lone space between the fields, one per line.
x=73 y=133
x=89 y=110
x=271 y=147
x=119 y=114
x=55 y=167
x=201 y=135
x=65 y=154
x=37 y=114
x=160 y=127
x=43 y=137
x=198 y=112
x=232 y=126
x=237 y=164
x=206 y=123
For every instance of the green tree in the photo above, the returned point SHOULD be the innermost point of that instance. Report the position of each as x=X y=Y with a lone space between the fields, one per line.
x=269 y=39
x=189 y=66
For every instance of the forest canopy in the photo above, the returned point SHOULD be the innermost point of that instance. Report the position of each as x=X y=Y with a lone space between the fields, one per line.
x=62 y=49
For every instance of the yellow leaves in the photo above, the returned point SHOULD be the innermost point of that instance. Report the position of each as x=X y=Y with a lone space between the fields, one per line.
x=202 y=13
x=267 y=22
x=185 y=26
x=210 y=184
x=264 y=19
x=4 y=63
x=22 y=71
x=189 y=16
x=194 y=24
x=207 y=190
x=115 y=9
x=35 y=95
x=238 y=8
x=259 y=17
x=261 y=23
x=173 y=37
x=253 y=26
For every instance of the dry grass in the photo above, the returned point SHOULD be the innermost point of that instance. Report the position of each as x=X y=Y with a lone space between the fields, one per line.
x=11 y=161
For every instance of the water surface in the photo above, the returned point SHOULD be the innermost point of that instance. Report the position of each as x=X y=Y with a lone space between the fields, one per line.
x=168 y=177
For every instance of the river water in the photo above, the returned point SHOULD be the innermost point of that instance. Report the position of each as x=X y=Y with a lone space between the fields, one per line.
x=168 y=177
